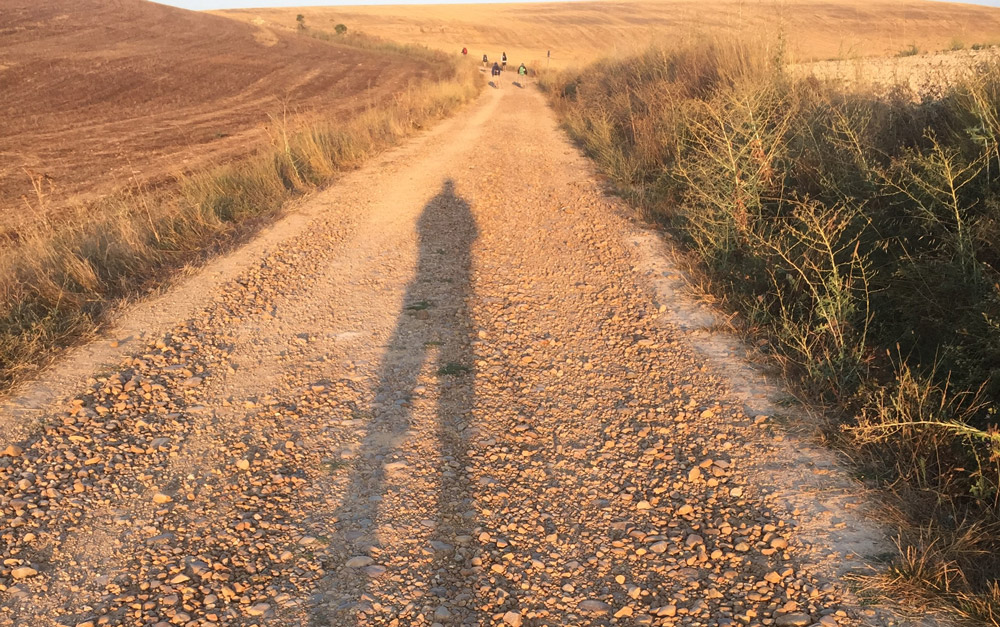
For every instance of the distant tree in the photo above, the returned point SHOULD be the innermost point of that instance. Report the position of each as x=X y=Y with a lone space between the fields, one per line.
x=340 y=29
x=301 y=19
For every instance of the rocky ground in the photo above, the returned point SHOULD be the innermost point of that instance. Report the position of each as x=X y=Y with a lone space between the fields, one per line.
x=452 y=398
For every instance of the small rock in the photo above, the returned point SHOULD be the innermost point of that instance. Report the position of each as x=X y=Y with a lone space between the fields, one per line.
x=375 y=570
x=163 y=538
x=359 y=561
x=13 y=451
x=441 y=547
x=161 y=498
x=594 y=606
x=23 y=572
x=624 y=612
x=258 y=609
x=243 y=464
x=395 y=467
x=512 y=618
x=441 y=614
x=793 y=620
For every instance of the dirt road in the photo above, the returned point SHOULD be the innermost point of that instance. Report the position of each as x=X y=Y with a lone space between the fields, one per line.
x=443 y=392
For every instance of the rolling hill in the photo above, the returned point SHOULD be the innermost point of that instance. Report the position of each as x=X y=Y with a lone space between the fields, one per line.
x=101 y=94
x=578 y=32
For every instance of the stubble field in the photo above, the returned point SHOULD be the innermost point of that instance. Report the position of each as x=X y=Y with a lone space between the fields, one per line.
x=581 y=32
x=110 y=95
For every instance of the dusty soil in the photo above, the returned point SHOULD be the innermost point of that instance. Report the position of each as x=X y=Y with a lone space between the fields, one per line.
x=108 y=94
x=455 y=389
x=579 y=32
x=925 y=74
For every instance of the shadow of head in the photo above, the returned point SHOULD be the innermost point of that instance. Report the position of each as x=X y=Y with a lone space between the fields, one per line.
x=446 y=225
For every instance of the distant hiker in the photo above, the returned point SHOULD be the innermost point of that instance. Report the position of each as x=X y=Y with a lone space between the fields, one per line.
x=496 y=74
x=486 y=61
x=503 y=60
x=465 y=51
x=522 y=72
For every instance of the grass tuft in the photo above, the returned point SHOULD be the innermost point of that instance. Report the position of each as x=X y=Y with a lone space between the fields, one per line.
x=452 y=369
x=58 y=282
x=420 y=305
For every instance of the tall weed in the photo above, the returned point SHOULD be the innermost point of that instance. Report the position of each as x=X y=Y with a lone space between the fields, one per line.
x=859 y=230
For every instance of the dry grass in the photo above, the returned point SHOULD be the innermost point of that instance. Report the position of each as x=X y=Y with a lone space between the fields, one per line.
x=859 y=231
x=59 y=281
x=580 y=32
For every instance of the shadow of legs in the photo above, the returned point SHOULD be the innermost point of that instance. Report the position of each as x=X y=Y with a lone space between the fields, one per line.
x=409 y=476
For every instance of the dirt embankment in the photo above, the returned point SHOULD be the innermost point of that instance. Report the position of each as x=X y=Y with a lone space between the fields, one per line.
x=99 y=95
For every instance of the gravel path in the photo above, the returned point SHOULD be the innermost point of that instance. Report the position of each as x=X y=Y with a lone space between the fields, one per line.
x=451 y=397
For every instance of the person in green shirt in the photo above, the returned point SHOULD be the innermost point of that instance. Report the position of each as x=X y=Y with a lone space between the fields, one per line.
x=522 y=73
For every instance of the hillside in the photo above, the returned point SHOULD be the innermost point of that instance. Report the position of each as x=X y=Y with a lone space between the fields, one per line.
x=584 y=31
x=107 y=92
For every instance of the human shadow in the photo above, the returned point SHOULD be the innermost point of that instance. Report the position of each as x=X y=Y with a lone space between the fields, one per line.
x=408 y=479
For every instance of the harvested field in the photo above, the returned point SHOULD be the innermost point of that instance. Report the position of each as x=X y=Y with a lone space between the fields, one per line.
x=580 y=32
x=110 y=94
x=924 y=74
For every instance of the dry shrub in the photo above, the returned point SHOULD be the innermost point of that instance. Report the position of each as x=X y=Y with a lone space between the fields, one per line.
x=848 y=225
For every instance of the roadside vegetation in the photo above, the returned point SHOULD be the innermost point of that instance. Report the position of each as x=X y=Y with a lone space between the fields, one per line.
x=859 y=233
x=60 y=280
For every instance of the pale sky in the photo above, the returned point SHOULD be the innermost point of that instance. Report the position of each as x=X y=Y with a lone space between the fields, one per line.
x=200 y=5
